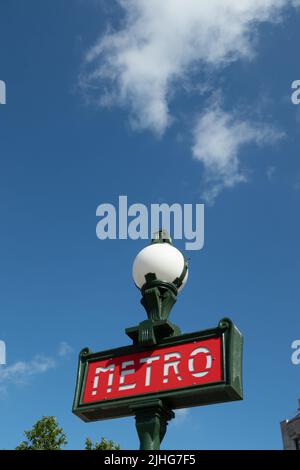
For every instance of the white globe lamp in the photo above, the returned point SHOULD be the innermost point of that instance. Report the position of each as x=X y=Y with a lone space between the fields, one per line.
x=160 y=271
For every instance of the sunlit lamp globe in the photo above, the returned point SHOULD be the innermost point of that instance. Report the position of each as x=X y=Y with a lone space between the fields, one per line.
x=161 y=259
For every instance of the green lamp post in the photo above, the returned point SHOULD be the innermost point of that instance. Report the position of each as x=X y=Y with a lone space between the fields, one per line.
x=160 y=271
x=163 y=370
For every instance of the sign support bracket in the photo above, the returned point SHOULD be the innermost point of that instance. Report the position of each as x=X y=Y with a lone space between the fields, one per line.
x=151 y=419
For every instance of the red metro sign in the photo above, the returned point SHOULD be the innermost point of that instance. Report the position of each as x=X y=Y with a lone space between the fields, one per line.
x=184 y=365
x=187 y=370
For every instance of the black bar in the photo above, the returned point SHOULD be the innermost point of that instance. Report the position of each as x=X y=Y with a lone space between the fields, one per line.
x=151 y=459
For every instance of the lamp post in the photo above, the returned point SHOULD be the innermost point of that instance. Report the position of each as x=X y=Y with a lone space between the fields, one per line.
x=163 y=370
x=160 y=271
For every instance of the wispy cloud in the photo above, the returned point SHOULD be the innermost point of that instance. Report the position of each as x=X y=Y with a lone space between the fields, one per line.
x=21 y=371
x=296 y=184
x=218 y=139
x=65 y=349
x=270 y=172
x=158 y=47
x=140 y=64
x=181 y=416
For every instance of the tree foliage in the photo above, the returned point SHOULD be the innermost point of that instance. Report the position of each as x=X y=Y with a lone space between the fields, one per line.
x=102 y=445
x=44 y=435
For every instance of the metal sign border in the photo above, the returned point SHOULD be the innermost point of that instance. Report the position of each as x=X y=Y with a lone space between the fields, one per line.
x=229 y=389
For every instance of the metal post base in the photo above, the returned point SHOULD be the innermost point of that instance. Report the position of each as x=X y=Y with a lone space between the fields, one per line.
x=151 y=423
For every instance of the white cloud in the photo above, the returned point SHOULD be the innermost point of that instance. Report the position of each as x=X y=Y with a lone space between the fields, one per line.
x=270 y=172
x=181 y=416
x=159 y=42
x=20 y=371
x=65 y=349
x=219 y=137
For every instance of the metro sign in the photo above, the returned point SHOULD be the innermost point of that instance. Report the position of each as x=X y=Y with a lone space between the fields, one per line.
x=184 y=365
x=187 y=370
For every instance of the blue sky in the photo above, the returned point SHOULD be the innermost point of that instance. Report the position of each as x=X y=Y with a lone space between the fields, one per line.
x=108 y=98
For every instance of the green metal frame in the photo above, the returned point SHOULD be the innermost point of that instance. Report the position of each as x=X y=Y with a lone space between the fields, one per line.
x=230 y=389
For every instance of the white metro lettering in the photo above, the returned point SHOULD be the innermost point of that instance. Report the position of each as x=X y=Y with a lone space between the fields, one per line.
x=208 y=362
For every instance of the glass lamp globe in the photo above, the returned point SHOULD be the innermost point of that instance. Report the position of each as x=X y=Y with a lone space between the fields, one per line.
x=161 y=259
